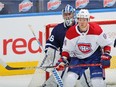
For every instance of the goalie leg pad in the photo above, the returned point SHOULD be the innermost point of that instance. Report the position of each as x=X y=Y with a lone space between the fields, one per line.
x=98 y=82
x=52 y=57
x=50 y=82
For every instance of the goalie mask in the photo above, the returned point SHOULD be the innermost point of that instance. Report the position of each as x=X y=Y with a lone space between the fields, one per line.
x=68 y=15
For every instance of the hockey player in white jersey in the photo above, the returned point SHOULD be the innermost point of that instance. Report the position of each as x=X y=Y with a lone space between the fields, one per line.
x=85 y=43
x=55 y=42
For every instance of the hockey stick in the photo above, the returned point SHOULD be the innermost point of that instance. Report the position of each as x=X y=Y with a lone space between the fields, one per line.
x=29 y=68
x=73 y=66
x=85 y=65
x=57 y=77
x=6 y=66
x=54 y=71
x=30 y=27
x=69 y=66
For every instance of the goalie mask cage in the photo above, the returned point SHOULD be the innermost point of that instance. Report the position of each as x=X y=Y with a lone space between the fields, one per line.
x=107 y=24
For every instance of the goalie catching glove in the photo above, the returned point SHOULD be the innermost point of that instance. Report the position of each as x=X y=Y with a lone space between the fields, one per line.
x=105 y=60
x=62 y=62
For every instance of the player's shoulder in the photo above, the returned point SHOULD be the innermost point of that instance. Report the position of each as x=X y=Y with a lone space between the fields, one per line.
x=94 y=28
x=71 y=32
x=59 y=26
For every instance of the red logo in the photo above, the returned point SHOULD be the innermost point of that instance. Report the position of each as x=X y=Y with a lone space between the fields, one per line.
x=21 y=45
x=25 y=6
x=85 y=47
x=53 y=4
x=109 y=3
x=81 y=3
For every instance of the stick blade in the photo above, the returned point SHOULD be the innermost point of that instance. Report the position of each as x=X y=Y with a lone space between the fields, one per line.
x=14 y=68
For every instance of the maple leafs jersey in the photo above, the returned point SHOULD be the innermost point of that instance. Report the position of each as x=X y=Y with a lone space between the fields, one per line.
x=56 y=38
x=83 y=45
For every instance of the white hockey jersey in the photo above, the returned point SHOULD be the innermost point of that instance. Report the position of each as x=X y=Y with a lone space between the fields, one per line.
x=83 y=45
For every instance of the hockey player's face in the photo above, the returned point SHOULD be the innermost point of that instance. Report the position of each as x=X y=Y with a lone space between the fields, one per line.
x=68 y=15
x=82 y=22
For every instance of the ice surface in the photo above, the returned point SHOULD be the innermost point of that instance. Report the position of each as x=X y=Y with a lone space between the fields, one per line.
x=15 y=81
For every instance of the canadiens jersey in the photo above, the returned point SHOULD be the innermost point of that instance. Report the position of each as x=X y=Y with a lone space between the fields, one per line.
x=83 y=45
x=57 y=37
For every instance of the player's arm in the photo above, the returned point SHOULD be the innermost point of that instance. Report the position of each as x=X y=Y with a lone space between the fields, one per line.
x=52 y=40
x=105 y=44
x=65 y=55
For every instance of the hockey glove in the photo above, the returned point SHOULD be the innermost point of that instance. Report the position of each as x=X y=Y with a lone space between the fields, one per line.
x=60 y=65
x=105 y=60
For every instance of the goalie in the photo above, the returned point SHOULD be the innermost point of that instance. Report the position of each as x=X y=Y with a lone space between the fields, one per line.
x=85 y=43
x=55 y=42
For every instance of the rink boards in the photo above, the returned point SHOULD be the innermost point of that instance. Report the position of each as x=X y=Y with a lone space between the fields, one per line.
x=18 y=46
x=5 y=72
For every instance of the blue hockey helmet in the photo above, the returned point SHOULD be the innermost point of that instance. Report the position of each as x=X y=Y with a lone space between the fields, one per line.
x=71 y=11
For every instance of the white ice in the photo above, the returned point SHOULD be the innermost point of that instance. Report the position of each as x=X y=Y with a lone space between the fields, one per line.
x=15 y=81
x=24 y=80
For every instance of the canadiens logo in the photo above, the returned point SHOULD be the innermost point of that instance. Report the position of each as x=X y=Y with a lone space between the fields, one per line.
x=85 y=47
x=109 y=3
x=53 y=4
x=25 y=6
x=81 y=3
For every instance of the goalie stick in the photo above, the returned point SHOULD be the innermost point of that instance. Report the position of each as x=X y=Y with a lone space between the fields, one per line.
x=54 y=71
x=30 y=27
